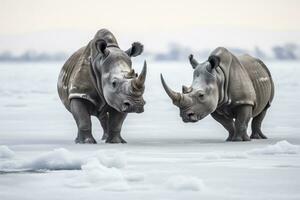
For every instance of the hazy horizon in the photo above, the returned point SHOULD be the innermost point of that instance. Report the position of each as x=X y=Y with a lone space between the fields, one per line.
x=50 y=26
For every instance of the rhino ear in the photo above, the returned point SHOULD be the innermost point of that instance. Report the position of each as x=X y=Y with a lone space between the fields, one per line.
x=214 y=61
x=193 y=61
x=135 y=50
x=101 y=46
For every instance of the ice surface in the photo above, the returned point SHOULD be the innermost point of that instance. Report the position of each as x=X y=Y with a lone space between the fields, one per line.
x=164 y=157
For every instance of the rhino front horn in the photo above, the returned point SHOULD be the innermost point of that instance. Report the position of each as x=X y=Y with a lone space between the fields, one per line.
x=140 y=80
x=175 y=96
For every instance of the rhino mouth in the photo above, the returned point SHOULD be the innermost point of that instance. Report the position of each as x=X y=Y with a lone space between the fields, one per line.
x=130 y=106
x=190 y=116
x=132 y=109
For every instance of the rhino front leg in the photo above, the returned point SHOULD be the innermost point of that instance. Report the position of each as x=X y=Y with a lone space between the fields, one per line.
x=80 y=111
x=104 y=123
x=115 y=122
x=256 y=126
x=227 y=123
x=243 y=116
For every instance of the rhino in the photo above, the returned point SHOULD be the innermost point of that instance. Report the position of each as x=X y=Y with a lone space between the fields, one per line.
x=232 y=89
x=98 y=80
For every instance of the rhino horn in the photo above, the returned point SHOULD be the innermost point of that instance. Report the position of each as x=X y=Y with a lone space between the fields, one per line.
x=139 y=82
x=175 y=96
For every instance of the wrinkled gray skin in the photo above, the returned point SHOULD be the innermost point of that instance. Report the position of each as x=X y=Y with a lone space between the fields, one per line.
x=98 y=80
x=232 y=89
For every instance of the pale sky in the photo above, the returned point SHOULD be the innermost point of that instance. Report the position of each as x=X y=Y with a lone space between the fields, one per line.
x=142 y=18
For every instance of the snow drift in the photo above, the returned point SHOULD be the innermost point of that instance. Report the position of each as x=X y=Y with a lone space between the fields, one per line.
x=5 y=152
x=281 y=147
x=180 y=182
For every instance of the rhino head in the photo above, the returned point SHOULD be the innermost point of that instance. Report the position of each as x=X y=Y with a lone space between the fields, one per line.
x=115 y=78
x=201 y=98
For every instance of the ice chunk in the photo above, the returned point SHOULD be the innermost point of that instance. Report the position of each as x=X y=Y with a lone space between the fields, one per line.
x=112 y=159
x=181 y=182
x=5 y=152
x=58 y=159
x=94 y=174
x=282 y=147
x=134 y=177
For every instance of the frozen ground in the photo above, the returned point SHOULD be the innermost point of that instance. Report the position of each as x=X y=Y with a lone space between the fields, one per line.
x=164 y=158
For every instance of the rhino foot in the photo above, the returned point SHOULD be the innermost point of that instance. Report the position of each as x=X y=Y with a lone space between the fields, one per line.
x=245 y=137
x=104 y=136
x=236 y=139
x=258 y=135
x=229 y=138
x=115 y=140
x=86 y=140
x=262 y=136
x=255 y=136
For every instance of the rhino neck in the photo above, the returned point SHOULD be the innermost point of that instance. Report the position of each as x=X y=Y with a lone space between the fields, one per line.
x=222 y=82
x=223 y=74
x=97 y=83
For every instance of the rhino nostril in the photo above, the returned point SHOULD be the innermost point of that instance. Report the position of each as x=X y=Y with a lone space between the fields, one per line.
x=190 y=114
x=126 y=104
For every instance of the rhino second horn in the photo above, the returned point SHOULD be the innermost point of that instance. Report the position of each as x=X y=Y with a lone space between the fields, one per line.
x=140 y=80
x=186 y=89
x=175 y=96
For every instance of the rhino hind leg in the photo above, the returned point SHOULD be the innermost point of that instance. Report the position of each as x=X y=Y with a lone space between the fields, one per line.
x=81 y=114
x=256 y=126
x=115 y=122
x=243 y=116
x=104 y=123
x=227 y=123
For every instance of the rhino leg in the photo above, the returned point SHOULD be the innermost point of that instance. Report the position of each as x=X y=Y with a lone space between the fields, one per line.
x=81 y=114
x=227 y=123
x=115 y=122
x=256 y=126
x=104 y=123
x=243 y=116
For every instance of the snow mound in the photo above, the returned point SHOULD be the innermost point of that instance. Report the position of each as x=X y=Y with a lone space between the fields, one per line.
x=282 y=147
x=5 y=152
x=58 y=159
x=111 y=159
x=94 y=174
x=180 y=182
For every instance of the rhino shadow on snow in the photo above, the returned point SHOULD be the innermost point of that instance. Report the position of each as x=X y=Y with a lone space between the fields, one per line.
x=232 y=89
x=98 y=80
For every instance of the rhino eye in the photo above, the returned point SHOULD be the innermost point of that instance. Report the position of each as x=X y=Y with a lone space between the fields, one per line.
x=114 y=84
x=201 y=95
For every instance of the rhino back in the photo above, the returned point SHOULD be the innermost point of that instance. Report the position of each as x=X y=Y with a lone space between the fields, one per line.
x=262 y=82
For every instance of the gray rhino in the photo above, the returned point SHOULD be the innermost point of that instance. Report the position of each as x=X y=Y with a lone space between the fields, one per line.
x=233 y=89
x=98 y=80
